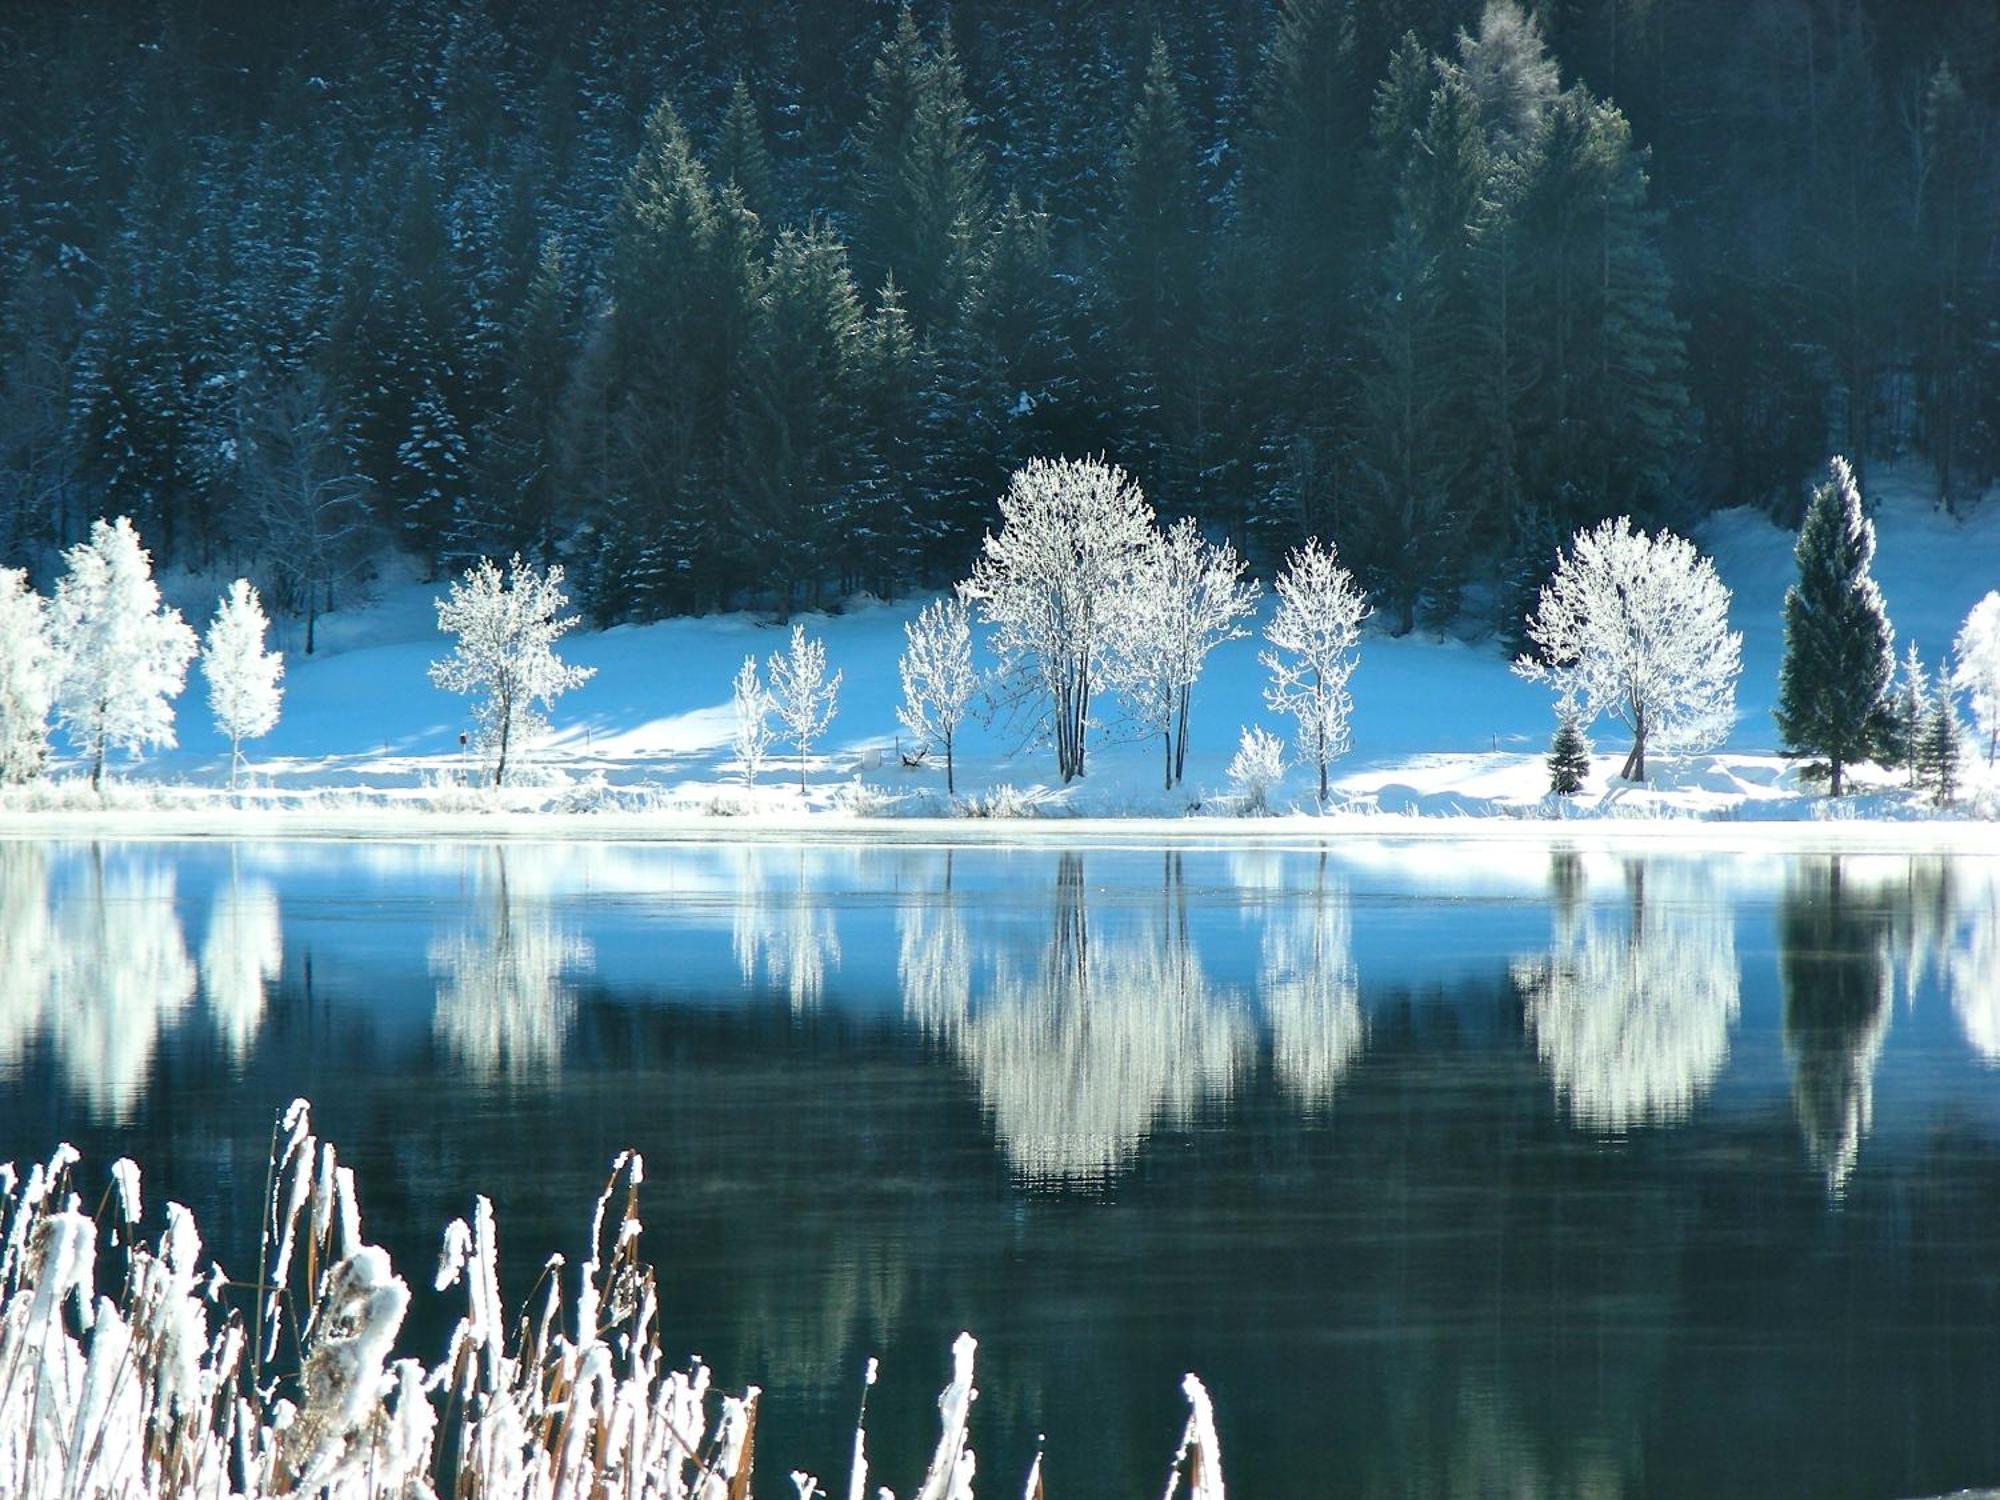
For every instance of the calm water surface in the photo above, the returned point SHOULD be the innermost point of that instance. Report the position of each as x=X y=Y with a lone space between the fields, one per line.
x=1486 y=1171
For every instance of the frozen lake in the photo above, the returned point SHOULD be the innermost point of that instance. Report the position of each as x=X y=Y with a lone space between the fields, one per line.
x=1452 y=1170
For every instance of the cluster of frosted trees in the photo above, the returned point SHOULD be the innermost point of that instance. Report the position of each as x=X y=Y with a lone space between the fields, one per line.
x=106 y=660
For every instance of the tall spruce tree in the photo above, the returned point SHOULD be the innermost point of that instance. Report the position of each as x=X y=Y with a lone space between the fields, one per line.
x=920 y=195
x=1569 y=753
x=1840 y=660
x=742 y=159
x=1938 y=754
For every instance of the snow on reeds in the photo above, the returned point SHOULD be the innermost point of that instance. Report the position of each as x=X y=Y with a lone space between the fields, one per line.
x=130 y=1372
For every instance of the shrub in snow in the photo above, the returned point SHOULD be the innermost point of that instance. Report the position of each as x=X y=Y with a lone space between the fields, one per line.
x=1976 y=668
x=1569 y=754
x=1257 y=766
x=507 y=626
x=1184 y=599
x=938 y=680
x=121 y=657
x=1049 y=584
x=244 y=679
x=804 y=698
x=1313 y=635
x=753 y=733
x=1834 y=684
x=1637 y=627
x=27 y=678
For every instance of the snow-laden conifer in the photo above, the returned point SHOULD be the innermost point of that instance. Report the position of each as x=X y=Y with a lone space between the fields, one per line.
x=1569 y=754
x=1049 y=584
x=27 y=678
x=245 y=681
x=938 y=677
x=507 y=626
x=1313 y=635
x=1937 y=755
x=1186 y=597
x=1840 y=658
x=1976 y=668
x=121 y=656
x=804 y=698
x=1637 y=627
x=752 y=734
x=1910 y=710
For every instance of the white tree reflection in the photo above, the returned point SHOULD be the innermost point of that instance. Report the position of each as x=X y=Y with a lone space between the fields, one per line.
x=505 y=1006
x=27 y=950
x=1974 y=964
x=934 y=962
x=1102 y=1044
x=1834 y=963
x=1311 y=995
x=1631 y=1015
x=241 y=954
x=121 y=976
x=786 y=933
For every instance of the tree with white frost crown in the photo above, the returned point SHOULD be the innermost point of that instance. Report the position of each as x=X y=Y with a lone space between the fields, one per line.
x=1637 y=627
x=1185 y=598
x=753 y=734
x=1049 y=584
x=121 y=656
x=507 y=627
x=245 y=681
x=1976 y=668
x=27 y=678
x=803 y=696
x=938 y=679
x=1313 y=635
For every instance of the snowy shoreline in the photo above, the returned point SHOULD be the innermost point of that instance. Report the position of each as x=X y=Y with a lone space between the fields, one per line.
x=406 y=825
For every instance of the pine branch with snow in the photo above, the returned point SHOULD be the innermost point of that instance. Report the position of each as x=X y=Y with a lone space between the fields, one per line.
x=804 y=698
x=1185 y=597
x=27 y=678
x=244 y=679
x=1637 y=627
x=507 y=626
x=938 y=676
x=122 y=657
x=1313 y=637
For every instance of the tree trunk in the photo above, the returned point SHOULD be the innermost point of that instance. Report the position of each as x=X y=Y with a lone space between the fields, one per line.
x=1834 y=789
x=1180 y=742
x=949 y=789
x=312 y=615
x=97 y=766
x=1167 y=749
x=506 y=729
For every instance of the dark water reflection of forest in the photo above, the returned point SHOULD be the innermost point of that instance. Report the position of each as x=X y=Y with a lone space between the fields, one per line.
x=1454 y=1171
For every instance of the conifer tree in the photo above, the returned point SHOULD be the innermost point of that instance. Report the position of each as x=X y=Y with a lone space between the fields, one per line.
x=1840 y=661
x=921 y=191
x=1569 y=753
x=742 y=160
x=1911 y=712
x=529 y=452
x=1938 y=758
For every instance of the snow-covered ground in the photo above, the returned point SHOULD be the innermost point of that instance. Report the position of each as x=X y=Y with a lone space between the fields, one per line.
x=1442 y=728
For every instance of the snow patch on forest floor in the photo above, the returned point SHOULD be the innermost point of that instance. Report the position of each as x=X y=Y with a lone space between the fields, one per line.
x=1443 y=731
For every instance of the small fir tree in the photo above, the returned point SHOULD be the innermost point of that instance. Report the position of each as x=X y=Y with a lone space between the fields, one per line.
x=1840 y=661
x=1911 y=710
x=1569 y=754
x=1938 y=757
x=753 y=733
x=244 y=679
x=802 y=695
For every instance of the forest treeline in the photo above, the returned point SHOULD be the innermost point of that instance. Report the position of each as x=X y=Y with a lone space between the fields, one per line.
x=731 y=305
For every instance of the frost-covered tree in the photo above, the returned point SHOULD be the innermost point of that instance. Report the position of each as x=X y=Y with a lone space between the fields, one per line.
x=1840 y=658
x=1975 y=668
x=1256 y=767
x=1637 y=627
x=27 y=678
x=1313 y=635
x=507 y=627
x=752 y=735
x=1569 y=754
x=938 y=678
x=244 y=679
x=803 y=696
x=1050 y=583
x=121 y=657
x=1185 y=598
